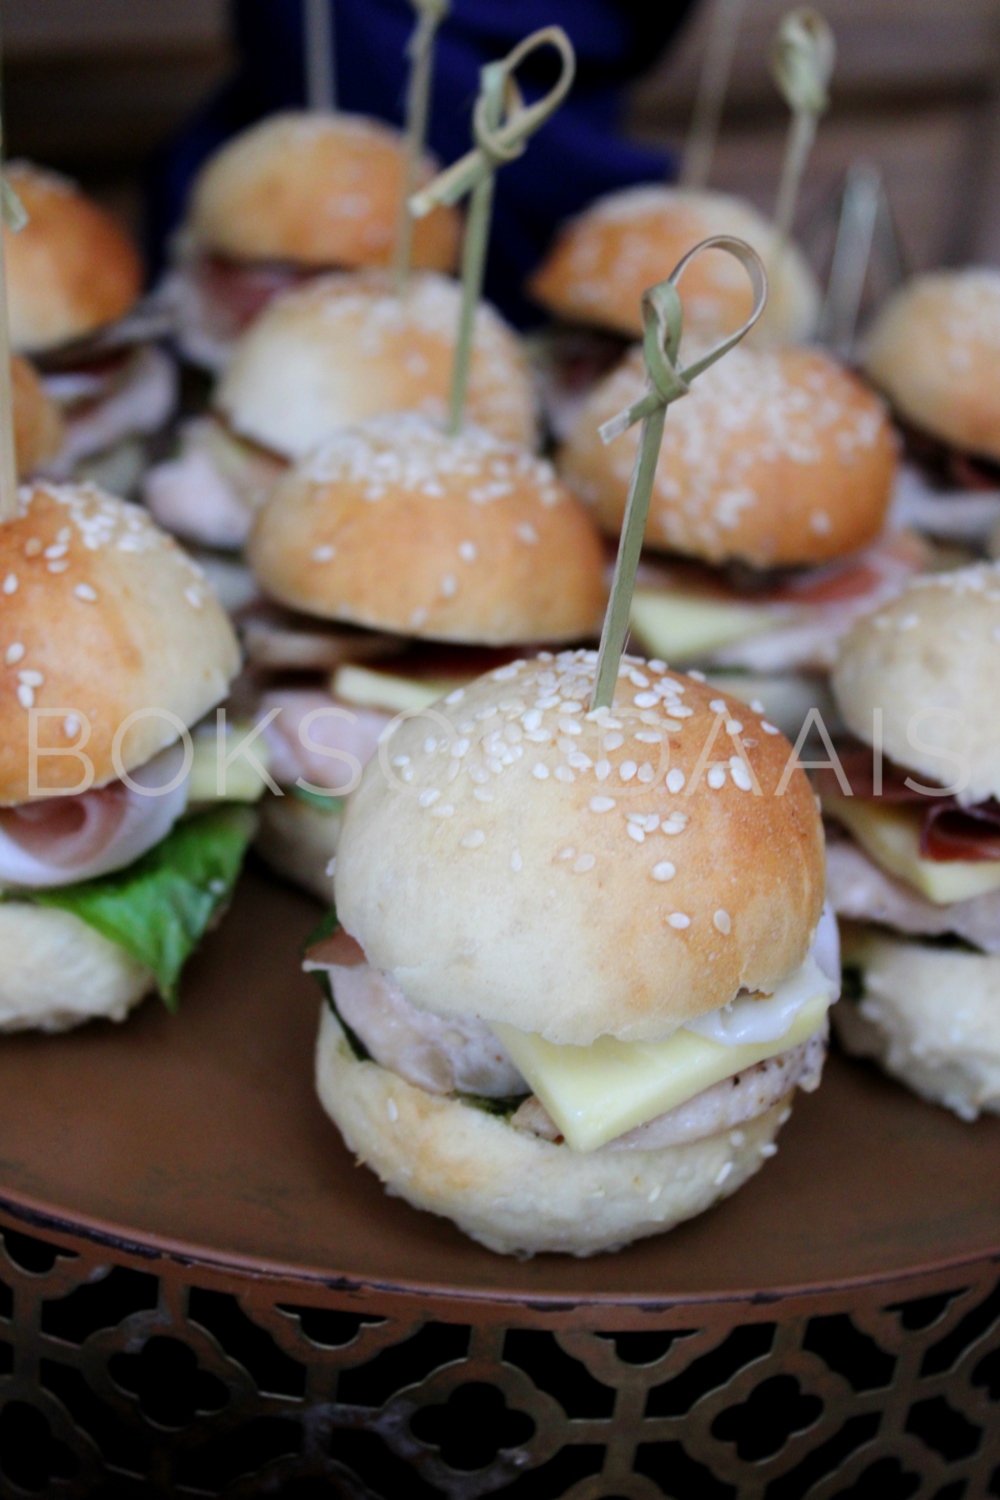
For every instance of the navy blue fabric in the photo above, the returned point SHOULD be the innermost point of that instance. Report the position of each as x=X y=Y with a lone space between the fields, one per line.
x=574 y=158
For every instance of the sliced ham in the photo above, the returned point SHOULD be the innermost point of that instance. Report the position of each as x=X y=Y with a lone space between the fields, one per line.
x=862 y=891
x=949 y=830
x=213 y=300
x=55 y=841
x=812 y=608
x=343 y=738
x=210 y=493
x=139 y=402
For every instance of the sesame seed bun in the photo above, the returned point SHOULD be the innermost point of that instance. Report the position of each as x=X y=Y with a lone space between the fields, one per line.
x=70 y=270
x=511 y=1191
x=929 y=661
x=604 y=260
x=536 y=906
x=343 y=348
x=776 y=457
x=930 y=1016
x=395 y=526
x=935 y=351
x=317 y=190
x=39 y=431
x=103 y=615
x=56 y=972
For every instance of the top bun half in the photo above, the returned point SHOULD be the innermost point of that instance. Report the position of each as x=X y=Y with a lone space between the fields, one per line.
x=71 y=270
x=928 y=663
x=776 y=457
x=317 y=190
x=344 y=348
x=511 y=856
x=396 y=526
x=935 y=351
x=101 y=616
x=604 y=260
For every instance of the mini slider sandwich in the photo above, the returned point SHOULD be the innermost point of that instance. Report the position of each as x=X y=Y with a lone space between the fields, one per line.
x=580 y=967
x=771 y=495
x=113 y=859
x=935 y=351
x=323 y=357
x=915 y=869
x=437 y=555
x=293 y=196
x=74 y=279
x=594 y=276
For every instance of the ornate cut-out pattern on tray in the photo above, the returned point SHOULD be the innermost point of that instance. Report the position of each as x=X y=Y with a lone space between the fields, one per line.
x=121 y=1377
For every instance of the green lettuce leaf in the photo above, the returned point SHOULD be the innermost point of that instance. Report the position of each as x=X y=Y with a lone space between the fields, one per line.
x=160 y=907
x=324 y=802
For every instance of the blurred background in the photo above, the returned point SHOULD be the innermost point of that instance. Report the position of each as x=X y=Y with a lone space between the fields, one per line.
x=94 y=86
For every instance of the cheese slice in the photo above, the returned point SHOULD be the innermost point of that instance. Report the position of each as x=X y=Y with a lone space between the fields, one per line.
x=370 y=689
x=890 y=833
x=242 y=780
x=597 y=1093
x=682 y=627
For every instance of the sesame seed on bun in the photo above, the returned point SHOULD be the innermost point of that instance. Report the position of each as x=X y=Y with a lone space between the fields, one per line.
x=317 y=190
x=777 y=457
x=103 y=616
x=342 y=348
x=516 y=858
x=71 y=270
x=604 y=260
x=395 y=526
x=935 y=351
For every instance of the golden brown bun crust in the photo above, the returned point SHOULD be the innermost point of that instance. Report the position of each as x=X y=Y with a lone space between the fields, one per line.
x=39 y=432
x=344 y=348
x=70 y=270
x=604 y=260
x=928 y=661
x=102 y=614
x=395 y=526
x=317 y=190
x=935 y=351
x=777 y=457
x=513 y=1192
x=537 y=906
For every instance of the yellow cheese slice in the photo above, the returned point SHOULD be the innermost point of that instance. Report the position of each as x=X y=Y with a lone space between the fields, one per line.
x=890 y=833
x=681 y=627
x=243 y=782
x=369 y=689
x=597 y=1093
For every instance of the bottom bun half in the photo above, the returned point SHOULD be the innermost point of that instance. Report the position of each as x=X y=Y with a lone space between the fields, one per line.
x=512 y=1191
x=56 y=972
x=298 y=842
x=929 y=1016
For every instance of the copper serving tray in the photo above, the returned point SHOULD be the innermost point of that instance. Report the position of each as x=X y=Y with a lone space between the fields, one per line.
x=171 y=1190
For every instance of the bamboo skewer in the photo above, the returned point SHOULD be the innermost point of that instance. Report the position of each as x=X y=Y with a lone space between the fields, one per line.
x=430 y=14
x=501 y=125
x=321 y=76
x=663 y=325
x=802 y=60
x=713 y=85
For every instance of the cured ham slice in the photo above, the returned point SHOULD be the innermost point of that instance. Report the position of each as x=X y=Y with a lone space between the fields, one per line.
x=313 y=737
x=214 y=299
x=949 y=830
x=55 y=841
